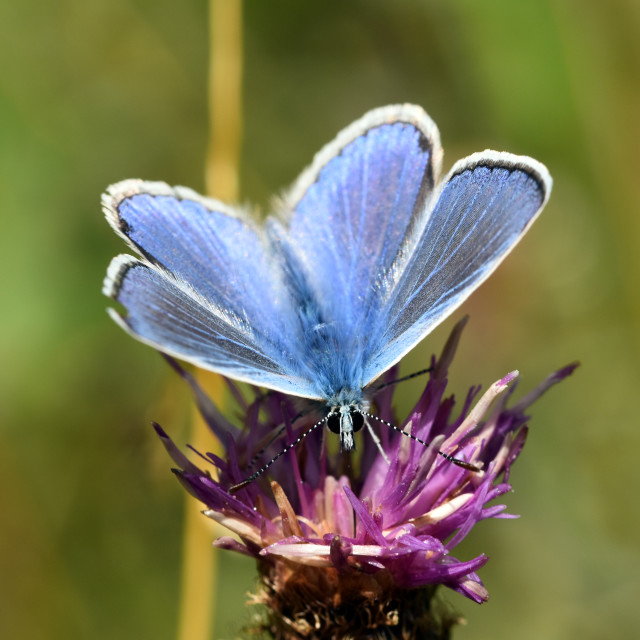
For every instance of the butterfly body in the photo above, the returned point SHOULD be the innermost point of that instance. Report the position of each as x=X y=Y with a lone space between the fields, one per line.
x=365 y=255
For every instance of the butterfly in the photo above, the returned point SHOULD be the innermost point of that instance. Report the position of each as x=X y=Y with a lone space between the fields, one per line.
x=365 y=255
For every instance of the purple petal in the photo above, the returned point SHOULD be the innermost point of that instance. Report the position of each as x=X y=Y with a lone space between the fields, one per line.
x=544 y=386
x=176 y=455
x=211 y=414
x=370 y=527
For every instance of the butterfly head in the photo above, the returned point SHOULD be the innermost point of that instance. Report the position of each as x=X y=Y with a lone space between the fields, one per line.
x=346 y=416
x=345 y=420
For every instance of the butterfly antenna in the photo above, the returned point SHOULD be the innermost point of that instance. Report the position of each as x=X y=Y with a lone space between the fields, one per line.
x=259 y=472
x=384 y=385
x=446 y=456
x=266 y=446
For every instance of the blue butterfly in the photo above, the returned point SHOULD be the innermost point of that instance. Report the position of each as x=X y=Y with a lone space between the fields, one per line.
x=366 y=255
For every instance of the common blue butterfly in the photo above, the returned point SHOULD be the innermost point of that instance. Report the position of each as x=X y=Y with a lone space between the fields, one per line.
x=367 y=253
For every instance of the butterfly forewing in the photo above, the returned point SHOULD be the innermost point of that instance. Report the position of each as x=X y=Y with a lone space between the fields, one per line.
x=350 y=215
x=485 y=207
x=206 y=289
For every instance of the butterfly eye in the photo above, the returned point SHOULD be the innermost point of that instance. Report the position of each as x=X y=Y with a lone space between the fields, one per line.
x=357 y=419
x=333 y=422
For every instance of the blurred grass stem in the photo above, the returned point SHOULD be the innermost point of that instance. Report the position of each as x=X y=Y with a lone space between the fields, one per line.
x=199 y=559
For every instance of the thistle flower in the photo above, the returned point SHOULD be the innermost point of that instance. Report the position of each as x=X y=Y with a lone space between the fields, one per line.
x=355 y=546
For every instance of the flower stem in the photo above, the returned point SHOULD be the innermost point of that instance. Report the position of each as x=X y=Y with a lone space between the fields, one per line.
x=199 y=559
x=225 y=99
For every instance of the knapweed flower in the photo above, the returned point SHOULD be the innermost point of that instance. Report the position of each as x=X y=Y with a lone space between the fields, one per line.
x=354 y=546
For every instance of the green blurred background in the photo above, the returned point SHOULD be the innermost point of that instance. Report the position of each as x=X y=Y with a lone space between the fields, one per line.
x=95 y=91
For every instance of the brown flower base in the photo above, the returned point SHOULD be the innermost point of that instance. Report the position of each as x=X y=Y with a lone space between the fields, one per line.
x=328 y=604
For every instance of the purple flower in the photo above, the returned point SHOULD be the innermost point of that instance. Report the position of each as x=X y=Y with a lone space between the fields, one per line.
x=350 y=543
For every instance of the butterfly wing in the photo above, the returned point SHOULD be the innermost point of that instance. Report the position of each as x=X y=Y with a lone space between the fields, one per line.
x=487 y=203
x=206 y=289
x=346 y=218
x=367 y=261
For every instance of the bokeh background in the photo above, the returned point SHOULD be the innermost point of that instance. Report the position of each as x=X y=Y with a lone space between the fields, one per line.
x=95 y=91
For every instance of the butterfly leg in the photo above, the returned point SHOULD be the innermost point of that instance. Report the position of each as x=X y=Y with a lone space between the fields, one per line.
x=375 y=438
